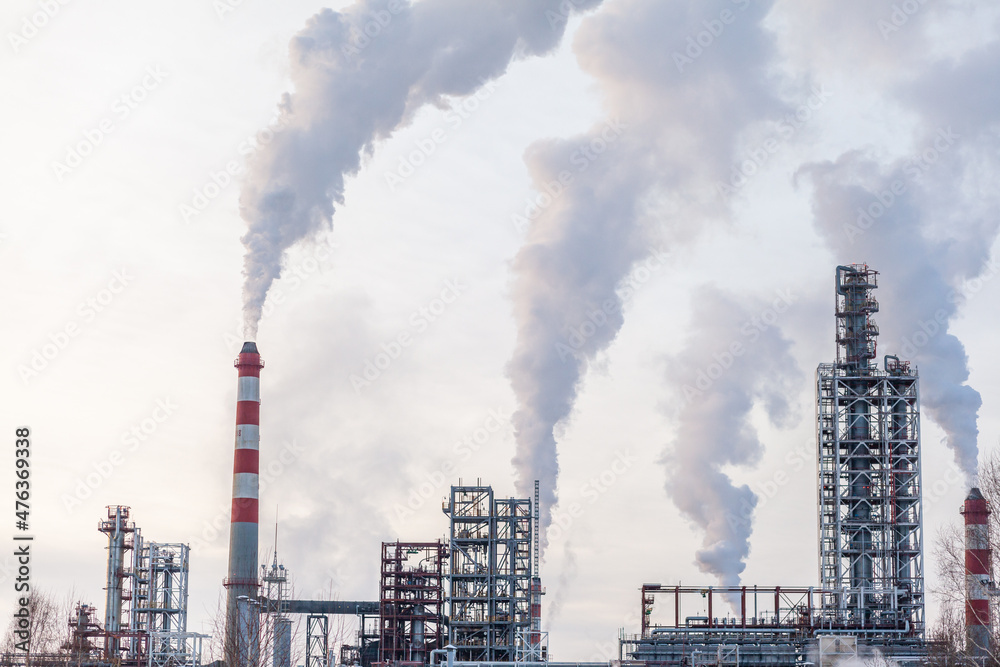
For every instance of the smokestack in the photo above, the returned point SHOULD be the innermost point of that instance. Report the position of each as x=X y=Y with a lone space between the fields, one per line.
x=977 y=576
x=242 y=579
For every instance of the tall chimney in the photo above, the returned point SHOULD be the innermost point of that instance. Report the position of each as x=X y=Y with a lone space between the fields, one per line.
x=242 y=579
x=977 y=576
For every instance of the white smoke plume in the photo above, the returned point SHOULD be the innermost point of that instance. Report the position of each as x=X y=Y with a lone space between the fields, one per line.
x=644 y=176
x=925 y=219
x=731 y=361
x=359 y=75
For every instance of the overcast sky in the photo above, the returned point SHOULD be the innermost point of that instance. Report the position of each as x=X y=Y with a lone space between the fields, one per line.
x=522 y=234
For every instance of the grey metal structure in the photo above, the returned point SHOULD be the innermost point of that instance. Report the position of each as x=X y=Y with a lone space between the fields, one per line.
x=868 y=437
x=317 y=638
x=121 y=540
x=160 y=602
x=489 y=580
x=275 y=604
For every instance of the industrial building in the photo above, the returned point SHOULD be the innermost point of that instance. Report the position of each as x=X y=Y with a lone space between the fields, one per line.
x=869 y=509
x=474 y=598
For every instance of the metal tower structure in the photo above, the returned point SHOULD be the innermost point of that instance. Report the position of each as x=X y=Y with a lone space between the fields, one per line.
x=317 y=638
x=868 y=437
x=161 y=603
x=490 y=573
x=121 y=534
x=411 y=600
x=276 y=605
x=532 y=644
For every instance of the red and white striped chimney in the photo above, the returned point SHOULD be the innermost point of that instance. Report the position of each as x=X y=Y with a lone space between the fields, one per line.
x=242 y=579
x=977 y=575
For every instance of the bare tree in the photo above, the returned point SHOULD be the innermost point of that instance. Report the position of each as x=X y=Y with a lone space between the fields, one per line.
x=44 y=630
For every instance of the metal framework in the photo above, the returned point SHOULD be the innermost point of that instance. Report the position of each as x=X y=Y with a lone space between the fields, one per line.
x=276 y=605
x=121 y=532
x=411 y=600
x=533 y=645
x=317 y=638
x=776 y=626
x=160 y=602
x=868 y=437
x=490 y=573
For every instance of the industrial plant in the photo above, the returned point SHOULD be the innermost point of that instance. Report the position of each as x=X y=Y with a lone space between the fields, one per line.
x=475 y=598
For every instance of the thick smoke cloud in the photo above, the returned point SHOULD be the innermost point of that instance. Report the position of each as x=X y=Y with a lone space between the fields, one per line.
x=731 y=361
x=646 y=175
x=359 y=75
x=927 y=218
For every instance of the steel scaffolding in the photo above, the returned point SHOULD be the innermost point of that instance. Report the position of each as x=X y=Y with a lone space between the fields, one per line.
x=868 y=436
x=317 y=638
x=490 y=573
x=411 y=600
x=161 y=603
x=276 y=605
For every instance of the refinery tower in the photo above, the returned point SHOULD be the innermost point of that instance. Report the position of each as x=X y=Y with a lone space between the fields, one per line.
x=868 y=435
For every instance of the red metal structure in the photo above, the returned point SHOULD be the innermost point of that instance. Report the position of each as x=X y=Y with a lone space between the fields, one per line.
x=411 y=601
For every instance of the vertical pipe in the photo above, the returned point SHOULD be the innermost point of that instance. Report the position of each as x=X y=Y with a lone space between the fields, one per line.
x=116 y=556
x=977 y=576
x=242 y=579
x=417 y=650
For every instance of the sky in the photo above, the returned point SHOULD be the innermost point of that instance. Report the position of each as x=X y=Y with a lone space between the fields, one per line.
x=486 y=241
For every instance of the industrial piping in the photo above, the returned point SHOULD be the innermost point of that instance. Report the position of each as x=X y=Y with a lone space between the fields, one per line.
x=242 y=579
x=977 y=576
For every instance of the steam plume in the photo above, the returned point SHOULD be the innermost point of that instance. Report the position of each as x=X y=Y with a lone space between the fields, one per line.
x=926 y=219
x=647 y=172
x=731 y=360
x=359 y=75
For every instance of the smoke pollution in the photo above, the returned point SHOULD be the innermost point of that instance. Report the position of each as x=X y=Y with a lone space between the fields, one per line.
x=732 y=360
x=925 y=219
x=359 y=75
x=646 y=175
